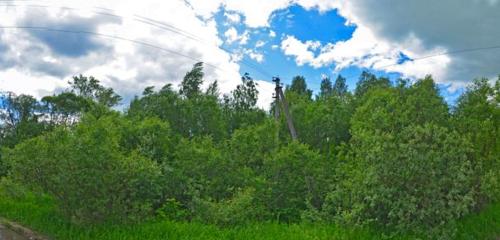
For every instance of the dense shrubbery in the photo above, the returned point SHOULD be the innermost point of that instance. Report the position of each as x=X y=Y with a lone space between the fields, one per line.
x=91 y=176
x=387 y=155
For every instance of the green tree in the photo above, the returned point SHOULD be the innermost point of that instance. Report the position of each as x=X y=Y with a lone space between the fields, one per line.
x=325 y=87
x=299 y=87
x=90 y=88
x=417 y=179
x=19 y=120
x=423 y=104
x=87 y=172
x=191 y=84
x=296 y=180
x=240 y=108
x=368 y=81
x=477 y=116
x=65 y=108
x=340 y=87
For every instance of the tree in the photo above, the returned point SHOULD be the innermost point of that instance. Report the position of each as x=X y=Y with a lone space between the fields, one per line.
x=299 y=86
x=245 y=95
x=90 y=88
x=340 y=87
x=296 y=179
x=423 y=104
x=326 y=87
x=213 y=89
x=191 y=84
x=90 y=176
x=368 y=81
x=240 y=108
x=477 y=116
x=65 y=108
x=418 y=179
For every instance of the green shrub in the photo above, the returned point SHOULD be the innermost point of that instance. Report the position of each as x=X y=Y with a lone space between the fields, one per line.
x=241 y=209
x=418 y=179
x=295 y=176
x=88 y=174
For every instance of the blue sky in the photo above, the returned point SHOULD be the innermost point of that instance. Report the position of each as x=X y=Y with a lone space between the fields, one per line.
x=304 y=25
x=284 y=38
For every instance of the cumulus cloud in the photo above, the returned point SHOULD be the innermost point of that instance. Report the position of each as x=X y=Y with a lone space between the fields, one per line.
x=36 y=61
x=420 y=28
x=41 y=62
x=386 y=28
x=232 y=36
x=233 y=18
x=302 y=51
x=71 y=45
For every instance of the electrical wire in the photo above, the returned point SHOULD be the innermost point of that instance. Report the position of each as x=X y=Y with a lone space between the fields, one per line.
x=36 y=28
x=147 y=21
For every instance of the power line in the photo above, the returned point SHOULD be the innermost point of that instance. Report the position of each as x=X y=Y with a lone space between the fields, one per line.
x=109 y=36
x=147 y=21
x=452 y=52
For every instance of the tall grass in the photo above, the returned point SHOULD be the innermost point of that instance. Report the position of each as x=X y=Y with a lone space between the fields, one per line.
x=40 y=214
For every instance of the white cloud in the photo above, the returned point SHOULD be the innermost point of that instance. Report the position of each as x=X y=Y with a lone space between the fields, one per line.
x=266 y=90
x=272 y=34
x=419 y=28
x=232 y=36
x=233 y=18
x=256 y=56
x=291 y=46
x=31 y=66
x=260 y=43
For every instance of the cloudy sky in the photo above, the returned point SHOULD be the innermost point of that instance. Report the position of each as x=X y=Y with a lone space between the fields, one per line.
x=130 y=44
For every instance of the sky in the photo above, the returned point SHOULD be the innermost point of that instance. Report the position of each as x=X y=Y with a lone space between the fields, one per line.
x=129 y=44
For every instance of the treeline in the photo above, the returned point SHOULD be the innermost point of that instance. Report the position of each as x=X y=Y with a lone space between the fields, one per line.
x=389 y=154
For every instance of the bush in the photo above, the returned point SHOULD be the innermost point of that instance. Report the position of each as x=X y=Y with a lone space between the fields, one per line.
x=88 y=174
x=242 y=208
x=295 y=177
x=418 y=179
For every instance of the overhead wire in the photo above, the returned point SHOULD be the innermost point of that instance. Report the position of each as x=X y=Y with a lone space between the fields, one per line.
x=108 y=36
x=171 y=28
x=143 y=20
x=452 y=52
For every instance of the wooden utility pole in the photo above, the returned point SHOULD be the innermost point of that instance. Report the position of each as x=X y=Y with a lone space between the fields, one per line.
x=280 y=98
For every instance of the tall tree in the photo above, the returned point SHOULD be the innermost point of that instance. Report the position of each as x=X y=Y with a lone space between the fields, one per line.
x=90 y=87
x=191 y=84
x=213 y=89
x=368 y=81
x=477 y=116
x=326 y=87
x=246 y=94
x=299 y=86
x=340 y=86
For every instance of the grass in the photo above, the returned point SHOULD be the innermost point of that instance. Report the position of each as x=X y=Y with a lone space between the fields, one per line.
x=40 y=215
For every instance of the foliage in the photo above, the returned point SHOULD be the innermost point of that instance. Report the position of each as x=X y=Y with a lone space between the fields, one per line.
x=393 y=156
x=299 y=87
x=39 y=213
x=340 y=87
x=191 y=84
x=325 y=87
x=477 y=116
x=418 y=179
x=87 y=173
x=295 y=175
x=90 y=88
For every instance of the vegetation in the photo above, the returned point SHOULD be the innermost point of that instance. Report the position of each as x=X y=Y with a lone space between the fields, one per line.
x=389 y=160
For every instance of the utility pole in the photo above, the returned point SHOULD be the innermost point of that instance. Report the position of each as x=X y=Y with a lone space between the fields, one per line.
x=280 y=98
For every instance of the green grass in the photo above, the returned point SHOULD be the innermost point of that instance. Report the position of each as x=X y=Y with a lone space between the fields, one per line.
x=41 y=215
